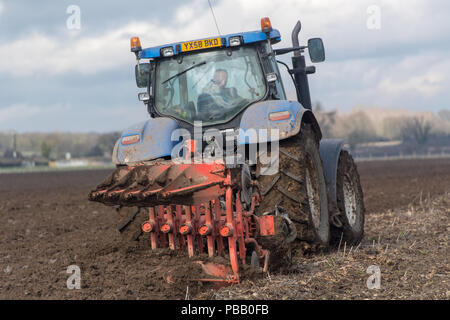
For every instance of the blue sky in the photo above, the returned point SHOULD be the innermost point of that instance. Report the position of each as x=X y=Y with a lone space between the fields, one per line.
x=56 y=79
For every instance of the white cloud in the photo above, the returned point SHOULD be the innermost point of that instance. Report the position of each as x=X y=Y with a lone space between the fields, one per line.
x=41 y=54
x=382 y=67
x=342 y=26
x=419 y=81
x=19 y=112
x=418 y=76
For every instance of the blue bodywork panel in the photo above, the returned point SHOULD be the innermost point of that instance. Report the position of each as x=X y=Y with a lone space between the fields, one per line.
x=256 y=117
x=155 y=133
x=155 y=141
x=248 y=37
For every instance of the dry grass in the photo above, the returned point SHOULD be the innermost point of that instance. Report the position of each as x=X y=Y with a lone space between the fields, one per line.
x=410 y=247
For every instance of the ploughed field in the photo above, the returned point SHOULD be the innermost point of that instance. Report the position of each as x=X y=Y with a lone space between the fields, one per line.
x=47 y=224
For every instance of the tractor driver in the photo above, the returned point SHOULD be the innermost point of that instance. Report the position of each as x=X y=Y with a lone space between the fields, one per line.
x=217 y=88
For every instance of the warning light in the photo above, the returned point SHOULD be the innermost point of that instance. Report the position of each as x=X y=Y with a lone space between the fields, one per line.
x=135 y=44
x=131 y=139
x=266 y=26
x=282 y=115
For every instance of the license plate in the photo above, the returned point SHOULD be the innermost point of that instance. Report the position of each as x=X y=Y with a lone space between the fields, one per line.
x=201 y=44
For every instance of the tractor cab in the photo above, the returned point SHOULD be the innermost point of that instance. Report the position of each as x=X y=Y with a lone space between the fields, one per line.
x=210 y=80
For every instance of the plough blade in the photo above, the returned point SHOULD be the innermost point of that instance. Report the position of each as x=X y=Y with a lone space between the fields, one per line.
x=161 y=183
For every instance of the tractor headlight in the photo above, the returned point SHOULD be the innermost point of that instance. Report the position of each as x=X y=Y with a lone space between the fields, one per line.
x=235 y=41
x=167 y=51
x=271 y=77
x=143 y=96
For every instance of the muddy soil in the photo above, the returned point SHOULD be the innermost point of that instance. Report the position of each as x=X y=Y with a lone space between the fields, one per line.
x=408 y=249
x=47 y=224
x=396 y=184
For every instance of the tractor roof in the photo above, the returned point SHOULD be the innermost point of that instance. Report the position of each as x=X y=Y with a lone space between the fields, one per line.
x=246 y=37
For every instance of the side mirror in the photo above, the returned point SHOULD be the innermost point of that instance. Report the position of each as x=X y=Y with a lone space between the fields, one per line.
x=316 y=50
x=142 y=75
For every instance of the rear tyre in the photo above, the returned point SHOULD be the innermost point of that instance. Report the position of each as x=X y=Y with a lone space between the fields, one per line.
x=349 y=201
x=299 y=187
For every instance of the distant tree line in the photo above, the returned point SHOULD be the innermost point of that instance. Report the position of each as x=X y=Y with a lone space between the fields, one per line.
x=357 y=127
x=57 y=145
x=363 y=126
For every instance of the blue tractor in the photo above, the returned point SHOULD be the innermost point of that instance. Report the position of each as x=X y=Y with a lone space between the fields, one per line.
x=226 y=164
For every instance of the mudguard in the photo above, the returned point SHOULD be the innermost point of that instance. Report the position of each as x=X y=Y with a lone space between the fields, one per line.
x=329 y=152
x=256 y=119
x=154 y=141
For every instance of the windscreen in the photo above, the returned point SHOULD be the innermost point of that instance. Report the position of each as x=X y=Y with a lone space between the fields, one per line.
x=211 y=87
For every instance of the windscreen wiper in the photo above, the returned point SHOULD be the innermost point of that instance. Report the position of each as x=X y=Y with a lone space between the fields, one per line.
x=184 y=71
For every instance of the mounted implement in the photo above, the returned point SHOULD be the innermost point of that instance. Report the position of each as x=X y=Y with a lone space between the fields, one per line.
x=226 y=166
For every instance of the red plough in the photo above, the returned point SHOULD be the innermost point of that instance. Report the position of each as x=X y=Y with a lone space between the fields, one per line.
x=196 y=208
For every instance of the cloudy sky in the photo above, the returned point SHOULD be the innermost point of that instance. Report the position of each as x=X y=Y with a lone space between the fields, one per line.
x=390 y=54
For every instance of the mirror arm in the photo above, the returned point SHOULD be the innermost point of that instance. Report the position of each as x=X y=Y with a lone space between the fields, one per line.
x=287 y=50
x=301 y=70
x=310 y=70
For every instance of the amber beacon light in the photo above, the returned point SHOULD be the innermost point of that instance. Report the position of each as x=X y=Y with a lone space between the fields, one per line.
x=266 y=26
x=135 y=44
